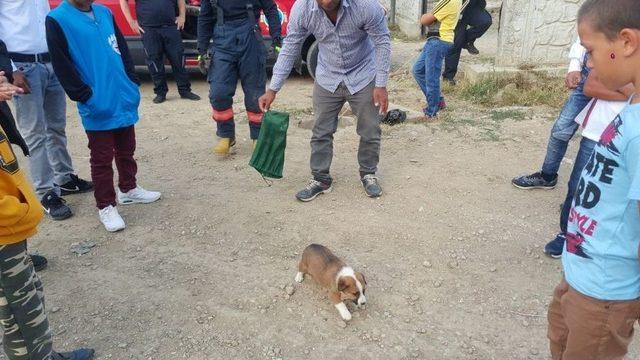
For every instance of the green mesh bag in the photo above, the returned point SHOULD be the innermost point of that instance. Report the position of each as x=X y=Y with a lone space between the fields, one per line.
x=268 y=156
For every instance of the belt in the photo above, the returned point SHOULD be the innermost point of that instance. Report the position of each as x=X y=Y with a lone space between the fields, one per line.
x=29 y=58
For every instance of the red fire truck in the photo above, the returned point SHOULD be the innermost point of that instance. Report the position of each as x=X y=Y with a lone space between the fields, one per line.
x=308 y=56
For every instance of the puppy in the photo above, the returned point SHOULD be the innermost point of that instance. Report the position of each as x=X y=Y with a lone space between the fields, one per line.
x=334 y=275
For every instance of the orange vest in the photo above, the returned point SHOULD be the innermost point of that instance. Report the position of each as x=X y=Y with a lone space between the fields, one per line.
x=20 y=210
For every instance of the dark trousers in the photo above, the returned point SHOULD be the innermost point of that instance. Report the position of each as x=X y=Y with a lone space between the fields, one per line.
x=237 y=55
x=22 y=315
x=160 y=42
x=105 y=146
x=473 y=24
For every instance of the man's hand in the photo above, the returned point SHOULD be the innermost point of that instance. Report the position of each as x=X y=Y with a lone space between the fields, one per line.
x=7 y=91
x=21 y=81
x=381 y=99
x=266 y=100
x=180 y=22
x=135 y=26
x=573 y=79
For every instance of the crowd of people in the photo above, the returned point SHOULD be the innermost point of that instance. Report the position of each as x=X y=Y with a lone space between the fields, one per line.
x=77 y=49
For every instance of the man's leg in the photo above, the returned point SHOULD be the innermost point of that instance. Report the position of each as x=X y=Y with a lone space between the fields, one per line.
x=368 y=129
x=22 y=313
x=101 y=146
x=419 y=72
x=55 y=105
x=557 y=330
x=253 y=77
x=30 y=114
x=562 y=132
x=453 y=57
x=479 y=21
x=223 y=82
x=154 y=49
x=435 y=55
x=125 y=147
x=326 y=107
x=174 y=49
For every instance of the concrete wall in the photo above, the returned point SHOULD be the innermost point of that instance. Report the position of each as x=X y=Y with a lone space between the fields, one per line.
x=408 y=14
x=538 y=32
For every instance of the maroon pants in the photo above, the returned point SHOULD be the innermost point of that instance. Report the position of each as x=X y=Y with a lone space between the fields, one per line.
x=105 y=146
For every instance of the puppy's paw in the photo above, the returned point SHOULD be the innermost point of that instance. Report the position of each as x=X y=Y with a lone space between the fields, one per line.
x=344 y=312
x=299 y=277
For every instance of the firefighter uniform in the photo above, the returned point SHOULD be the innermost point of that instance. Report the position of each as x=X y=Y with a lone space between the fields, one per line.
x=237 y=53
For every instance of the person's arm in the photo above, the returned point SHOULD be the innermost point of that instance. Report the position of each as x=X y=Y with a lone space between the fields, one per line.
x=378 y=31
x=133 y=23
x=576 y=62
x=12 y=210
x=594 y=88
x=129 y=66
x=297 y=32
x=439 y=12
x=270 y=10
x=65 y=69
x=182 y=14
x=206 y=23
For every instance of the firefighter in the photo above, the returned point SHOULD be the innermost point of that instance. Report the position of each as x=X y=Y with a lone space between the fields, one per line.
x=237 y=52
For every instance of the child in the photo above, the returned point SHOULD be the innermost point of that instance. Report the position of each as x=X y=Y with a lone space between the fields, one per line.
x=442 y=21
x=595 y=306
x=26 y=331
x=92 y=61
x=594 y=118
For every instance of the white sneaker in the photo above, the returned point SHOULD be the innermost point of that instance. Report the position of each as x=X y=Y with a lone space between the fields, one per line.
x=138 y=196
x=111 y=219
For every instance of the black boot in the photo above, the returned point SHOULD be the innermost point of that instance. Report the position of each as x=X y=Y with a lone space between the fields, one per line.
x=80 y=354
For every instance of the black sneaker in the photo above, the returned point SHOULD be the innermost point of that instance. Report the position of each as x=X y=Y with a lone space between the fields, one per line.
x=75 y=186
x=190 y=96
x=371 y=186
x=472 y=49
x=55 y=206
x=313 y=189
x=534 y=181
x=39 y=262
x=160 y=98
x=555 y=247
x=451 y=82
x=80 y=354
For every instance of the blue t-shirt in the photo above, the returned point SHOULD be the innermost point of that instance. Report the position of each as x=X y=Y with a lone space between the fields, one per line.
x=600 y=258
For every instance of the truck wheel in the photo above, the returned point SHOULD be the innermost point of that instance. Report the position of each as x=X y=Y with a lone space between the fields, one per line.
x=312 y=59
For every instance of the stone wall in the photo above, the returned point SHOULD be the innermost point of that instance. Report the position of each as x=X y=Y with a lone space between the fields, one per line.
x=538 y=32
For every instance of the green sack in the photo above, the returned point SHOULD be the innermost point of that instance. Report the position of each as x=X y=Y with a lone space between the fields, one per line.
x=268 y=156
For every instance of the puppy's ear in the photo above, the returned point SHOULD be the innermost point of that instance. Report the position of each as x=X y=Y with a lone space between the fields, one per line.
x=361 y=277
x=342 y=284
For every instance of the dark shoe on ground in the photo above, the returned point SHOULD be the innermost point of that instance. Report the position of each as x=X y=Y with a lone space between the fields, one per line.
x=312 y=190
x=371 y=186
x=159 y=99
x=39 y=262
x=75 y=186
x=534 y=181
x=190 y=96
x=80 y=354
x=472 y=49
x=451 y=82
x=555 y=247
x=55 y=206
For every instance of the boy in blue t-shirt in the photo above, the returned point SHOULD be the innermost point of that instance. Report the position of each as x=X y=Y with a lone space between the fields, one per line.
x=597 y=303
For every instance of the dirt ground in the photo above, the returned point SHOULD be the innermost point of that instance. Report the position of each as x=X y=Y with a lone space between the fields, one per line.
x=452 y=252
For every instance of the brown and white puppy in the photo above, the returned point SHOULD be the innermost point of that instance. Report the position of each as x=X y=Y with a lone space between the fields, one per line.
x=334 y=275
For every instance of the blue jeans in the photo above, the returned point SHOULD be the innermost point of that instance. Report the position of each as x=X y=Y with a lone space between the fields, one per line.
x=42 y=120
x=584 y=153
x=427 y=71
x=565 y=127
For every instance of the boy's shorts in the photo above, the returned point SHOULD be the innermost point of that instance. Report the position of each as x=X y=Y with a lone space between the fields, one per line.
x=581 y=327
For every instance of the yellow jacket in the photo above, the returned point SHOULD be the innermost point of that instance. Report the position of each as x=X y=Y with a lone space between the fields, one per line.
x=20 y=210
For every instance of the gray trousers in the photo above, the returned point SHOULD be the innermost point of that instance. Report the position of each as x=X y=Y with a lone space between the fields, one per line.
x=41 y=118
x=327 y=107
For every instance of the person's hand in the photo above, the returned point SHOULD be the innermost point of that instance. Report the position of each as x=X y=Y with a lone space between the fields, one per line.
x=7 y=91
x=3 y=78
x=135 y=26
x=573 y=79
x=381 y=99
x=276 y=43
x=21 y=81
x=266 y=100
x=180 y=22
